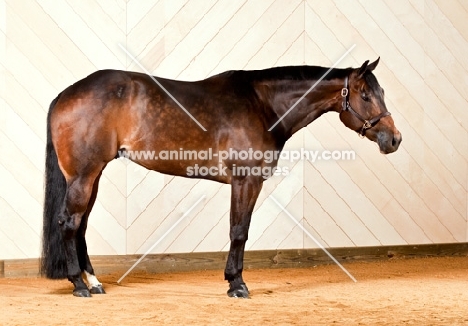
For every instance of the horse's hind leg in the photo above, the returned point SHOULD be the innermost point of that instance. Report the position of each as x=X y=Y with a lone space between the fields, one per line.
x=95 y=287
x=79 y=192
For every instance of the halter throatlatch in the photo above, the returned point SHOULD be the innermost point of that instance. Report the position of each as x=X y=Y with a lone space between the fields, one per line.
x=367 y=124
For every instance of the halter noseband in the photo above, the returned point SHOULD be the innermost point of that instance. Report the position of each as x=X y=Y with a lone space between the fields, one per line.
x=367 y=124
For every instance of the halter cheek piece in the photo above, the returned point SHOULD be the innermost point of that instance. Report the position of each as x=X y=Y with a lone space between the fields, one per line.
x=367 y=124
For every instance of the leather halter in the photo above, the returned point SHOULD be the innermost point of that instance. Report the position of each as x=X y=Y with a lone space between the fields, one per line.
x=367 y=124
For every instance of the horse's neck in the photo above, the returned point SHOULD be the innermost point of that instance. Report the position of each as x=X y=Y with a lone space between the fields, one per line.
x=298 y=103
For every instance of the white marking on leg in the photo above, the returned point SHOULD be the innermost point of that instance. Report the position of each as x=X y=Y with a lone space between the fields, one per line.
x=92 y=280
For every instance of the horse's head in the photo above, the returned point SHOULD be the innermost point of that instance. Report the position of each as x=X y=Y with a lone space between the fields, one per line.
x=364 y=109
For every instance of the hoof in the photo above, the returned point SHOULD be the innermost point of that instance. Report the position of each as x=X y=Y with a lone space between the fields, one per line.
x=241 y=292
x=98 y=289
x=83 y=293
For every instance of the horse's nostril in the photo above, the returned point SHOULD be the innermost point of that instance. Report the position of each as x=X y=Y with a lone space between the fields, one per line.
x=396 y=140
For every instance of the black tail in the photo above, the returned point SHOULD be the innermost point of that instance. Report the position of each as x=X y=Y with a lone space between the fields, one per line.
x=53 y=262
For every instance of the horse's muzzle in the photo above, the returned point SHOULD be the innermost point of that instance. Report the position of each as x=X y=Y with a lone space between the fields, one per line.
x=389 y=143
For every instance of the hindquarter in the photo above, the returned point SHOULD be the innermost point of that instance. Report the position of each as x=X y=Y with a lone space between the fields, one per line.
x=85 y=123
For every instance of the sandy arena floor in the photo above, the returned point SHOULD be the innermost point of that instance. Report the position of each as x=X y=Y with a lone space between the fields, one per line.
x=423 y=291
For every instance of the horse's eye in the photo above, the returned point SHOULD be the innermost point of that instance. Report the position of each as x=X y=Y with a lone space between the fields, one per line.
x=365 y=97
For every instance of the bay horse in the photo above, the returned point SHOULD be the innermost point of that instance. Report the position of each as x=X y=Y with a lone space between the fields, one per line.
x=111 y=111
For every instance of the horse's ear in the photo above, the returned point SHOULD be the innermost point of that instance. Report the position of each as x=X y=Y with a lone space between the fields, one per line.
x=363 y=68
x=374 y=64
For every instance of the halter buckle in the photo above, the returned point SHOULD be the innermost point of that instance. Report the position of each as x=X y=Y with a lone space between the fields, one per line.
x=344 y=92
x=367 y=125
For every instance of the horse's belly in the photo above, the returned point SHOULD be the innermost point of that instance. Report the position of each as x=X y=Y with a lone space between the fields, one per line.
x=201 y=164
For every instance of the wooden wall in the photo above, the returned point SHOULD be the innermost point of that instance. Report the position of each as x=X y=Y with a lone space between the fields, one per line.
x=417 y=195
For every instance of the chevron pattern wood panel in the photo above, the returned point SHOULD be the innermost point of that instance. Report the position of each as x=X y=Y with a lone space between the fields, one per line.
x=417 y=195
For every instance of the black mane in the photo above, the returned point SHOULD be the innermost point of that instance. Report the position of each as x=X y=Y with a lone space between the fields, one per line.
x=287 y=73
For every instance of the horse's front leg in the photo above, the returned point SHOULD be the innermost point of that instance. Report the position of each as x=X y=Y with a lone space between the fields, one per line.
x=243 y=197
